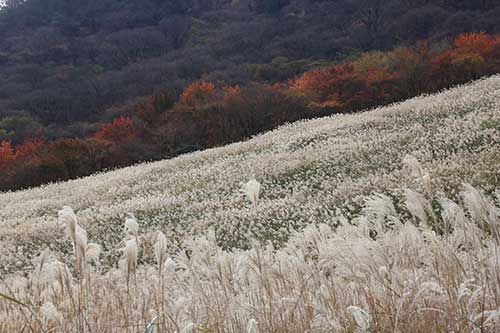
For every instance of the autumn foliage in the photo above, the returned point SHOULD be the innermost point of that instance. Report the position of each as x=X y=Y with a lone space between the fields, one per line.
x=218 y=115
x=344 y=86
x=198 y=92
x=382 y=77
x=6 y=155
x=121 y=130
x=476 y=43
x=30 y=147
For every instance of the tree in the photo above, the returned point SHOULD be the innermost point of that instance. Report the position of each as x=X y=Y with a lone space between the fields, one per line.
x=328 y=84
x=7 y=155
x=473 y=57
x=153 y=106
x=199 y=92
x=17 y=127
x=79 y=157
x=474 y=43
x=371 y=14
x=121 y=130
x=30 y=148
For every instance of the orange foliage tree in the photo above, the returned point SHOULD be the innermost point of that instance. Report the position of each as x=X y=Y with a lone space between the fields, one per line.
x=474 y=56
x=314 y=84
x=30 y=148
x=344 y=86
x=121 y=130
x=199 y=92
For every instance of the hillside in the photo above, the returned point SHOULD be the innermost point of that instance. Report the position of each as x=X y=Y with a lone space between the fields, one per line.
x=66 y=66
x=307 y=169
x=392 y=231
x=103 y=84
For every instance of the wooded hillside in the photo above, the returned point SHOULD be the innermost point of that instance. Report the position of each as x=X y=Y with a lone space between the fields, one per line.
x=92 y=79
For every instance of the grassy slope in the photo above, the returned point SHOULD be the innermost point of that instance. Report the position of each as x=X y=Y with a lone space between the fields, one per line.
x=308 y=170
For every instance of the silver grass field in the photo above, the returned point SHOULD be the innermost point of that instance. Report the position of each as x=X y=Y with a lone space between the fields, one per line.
x=383 y=221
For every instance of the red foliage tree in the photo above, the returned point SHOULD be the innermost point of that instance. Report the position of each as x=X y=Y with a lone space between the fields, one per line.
x=342 y=86
x=474 y=43
x=121 y=130
x=470 y=59
x=7 y=155
x=315 y=84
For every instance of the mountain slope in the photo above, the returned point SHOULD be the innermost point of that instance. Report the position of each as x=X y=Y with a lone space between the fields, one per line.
x=310 y=171
x=99 y=84
x=75 y=63
x=385 y=243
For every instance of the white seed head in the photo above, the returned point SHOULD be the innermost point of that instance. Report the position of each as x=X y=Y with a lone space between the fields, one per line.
x=81 y=239
x=361 y=317
x=384 y=272
x=252 y=190
x=160 y=248
x=427 y=183
x=252 y=326
x=128 y=263
x=169 y=266
x=67 y=219
x=416 y=204
x=92 y=252
x=131 y=225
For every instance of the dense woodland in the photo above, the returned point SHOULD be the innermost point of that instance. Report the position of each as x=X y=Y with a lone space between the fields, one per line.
x=99 y=84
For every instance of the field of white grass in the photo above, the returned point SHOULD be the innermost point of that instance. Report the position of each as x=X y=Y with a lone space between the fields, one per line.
x=384 y=221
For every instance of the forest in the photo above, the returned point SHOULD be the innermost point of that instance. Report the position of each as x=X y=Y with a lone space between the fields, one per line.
x=95 y=85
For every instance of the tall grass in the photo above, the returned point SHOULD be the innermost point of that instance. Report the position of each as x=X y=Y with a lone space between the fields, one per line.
x=377 y=222
x=387 y=270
